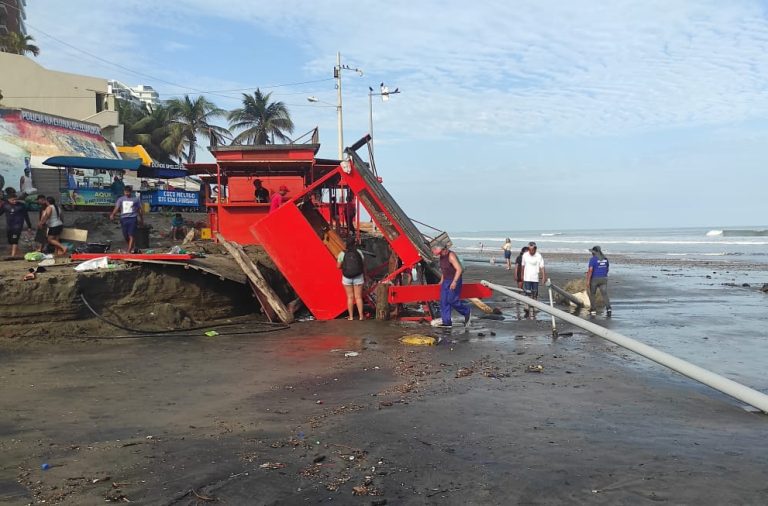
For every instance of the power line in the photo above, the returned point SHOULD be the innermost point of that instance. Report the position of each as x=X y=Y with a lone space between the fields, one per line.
x=219 y=93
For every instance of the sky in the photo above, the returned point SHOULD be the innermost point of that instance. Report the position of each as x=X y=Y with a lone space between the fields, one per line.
x=513 y=115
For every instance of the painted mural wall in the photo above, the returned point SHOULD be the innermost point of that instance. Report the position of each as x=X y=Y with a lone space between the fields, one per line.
x=27 y=138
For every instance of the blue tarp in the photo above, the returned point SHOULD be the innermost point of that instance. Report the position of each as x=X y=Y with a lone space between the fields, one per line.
x=82 y=162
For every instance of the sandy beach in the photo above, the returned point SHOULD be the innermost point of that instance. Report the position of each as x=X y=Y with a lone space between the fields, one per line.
x=285 y=417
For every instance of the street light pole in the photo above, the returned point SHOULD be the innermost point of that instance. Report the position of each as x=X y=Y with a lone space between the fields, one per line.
x=340 y=121
x=384 y=94
x=339 y=118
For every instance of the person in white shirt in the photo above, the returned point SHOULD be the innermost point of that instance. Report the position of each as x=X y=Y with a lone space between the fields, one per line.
x=533 y=271
x=26 y=184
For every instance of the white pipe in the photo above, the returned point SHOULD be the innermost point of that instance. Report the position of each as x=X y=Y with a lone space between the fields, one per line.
x=713 y=380
x=552 y=305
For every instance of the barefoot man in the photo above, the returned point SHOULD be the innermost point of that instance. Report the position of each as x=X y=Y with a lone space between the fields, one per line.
x=131 y=215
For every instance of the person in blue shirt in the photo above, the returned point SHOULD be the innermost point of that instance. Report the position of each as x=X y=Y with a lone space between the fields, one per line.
x=16 y=215
x=177 y=227
x=597 y=279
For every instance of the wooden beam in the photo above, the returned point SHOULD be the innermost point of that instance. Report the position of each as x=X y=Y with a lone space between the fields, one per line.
x=264 y=292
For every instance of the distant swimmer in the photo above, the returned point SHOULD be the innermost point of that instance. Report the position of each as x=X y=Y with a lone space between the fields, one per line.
x=597 y=279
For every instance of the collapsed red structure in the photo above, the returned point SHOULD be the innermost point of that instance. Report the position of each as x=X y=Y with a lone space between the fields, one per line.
x=304 y=235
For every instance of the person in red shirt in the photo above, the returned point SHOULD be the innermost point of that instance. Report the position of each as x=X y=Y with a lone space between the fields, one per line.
x=278 y=198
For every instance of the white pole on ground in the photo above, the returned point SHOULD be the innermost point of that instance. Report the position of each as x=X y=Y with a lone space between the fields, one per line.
x=713 y=380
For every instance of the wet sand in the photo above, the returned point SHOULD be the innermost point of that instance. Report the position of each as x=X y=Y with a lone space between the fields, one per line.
x=285 y=418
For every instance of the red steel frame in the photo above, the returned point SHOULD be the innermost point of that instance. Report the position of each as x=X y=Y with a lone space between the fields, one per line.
x=311 y=269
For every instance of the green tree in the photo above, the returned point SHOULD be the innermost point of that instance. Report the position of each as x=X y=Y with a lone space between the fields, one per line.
x=17 y=43
x=260 y=121
x=189 y=118
x=148 y=127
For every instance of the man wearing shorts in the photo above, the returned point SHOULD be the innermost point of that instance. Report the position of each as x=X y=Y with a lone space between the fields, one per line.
x=15 y=215
x=533 y=272
x=131 y=215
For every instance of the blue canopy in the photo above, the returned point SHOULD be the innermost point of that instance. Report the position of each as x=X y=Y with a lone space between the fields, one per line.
x=161 y=172
x=83 y=162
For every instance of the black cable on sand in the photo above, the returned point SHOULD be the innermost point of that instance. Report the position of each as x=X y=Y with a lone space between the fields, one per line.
x=271 y=327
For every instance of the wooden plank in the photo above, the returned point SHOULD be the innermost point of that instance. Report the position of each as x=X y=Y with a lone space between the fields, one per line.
x=255 y=276
x=74 y=234
x=485 y=308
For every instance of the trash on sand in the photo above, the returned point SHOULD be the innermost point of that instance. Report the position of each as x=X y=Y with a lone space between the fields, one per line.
x=319 y=402
x=93 y=264
x=34 y=256
x=535 y=368
x=45 y=466
x=464 y=372
x=211 y=333
x=351 y=354
x=418 y=340
x=272 y=465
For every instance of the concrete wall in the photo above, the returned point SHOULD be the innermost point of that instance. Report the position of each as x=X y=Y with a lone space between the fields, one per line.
x=28 y=85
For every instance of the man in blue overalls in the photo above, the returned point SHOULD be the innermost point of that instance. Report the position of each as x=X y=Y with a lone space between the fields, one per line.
x=450 y=286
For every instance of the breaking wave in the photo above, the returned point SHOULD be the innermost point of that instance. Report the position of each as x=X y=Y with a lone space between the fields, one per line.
x=737 y=233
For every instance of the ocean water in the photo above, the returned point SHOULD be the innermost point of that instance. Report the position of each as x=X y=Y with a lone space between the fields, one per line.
x=713 y=316
x=749 y=244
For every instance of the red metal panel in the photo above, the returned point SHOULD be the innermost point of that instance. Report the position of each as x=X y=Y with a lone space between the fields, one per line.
x=235 y=220
x=303 y=259
x=400 y=244
x=418 y=293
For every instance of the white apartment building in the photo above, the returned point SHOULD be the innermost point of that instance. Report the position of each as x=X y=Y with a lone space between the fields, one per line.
x=138 y=95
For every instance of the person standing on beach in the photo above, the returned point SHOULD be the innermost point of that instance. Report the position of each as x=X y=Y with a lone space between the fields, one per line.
x=15 y=215
x=51 y=218
x=533 y=272
x=518 y=272
x=131 y=215
x=507 y=249
x=352 y=264
x=450 y=286
x=597 y=279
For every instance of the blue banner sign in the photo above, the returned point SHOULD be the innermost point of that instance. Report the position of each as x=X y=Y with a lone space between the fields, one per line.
x=171 y=198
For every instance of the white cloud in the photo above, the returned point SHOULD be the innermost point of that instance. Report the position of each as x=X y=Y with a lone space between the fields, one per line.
x=488 y=68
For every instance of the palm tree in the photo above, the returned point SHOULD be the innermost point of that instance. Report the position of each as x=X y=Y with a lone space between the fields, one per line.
x=259 y=120
x=190 y=118
x=147 y=127
x=157 y=134
x=17 y=43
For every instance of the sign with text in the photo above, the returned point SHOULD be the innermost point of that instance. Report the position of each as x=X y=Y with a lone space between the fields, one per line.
x=87 y=197
x=173 y=198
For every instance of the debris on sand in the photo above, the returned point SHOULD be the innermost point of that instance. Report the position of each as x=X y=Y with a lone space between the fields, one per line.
x=464 y=372
x=272 y=465
x=418 y=340
x=535 y=368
